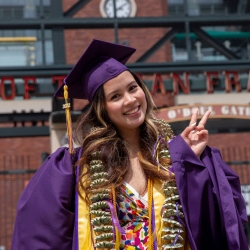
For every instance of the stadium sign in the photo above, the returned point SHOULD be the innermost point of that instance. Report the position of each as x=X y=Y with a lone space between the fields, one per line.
x=178 y=83
x=180 y=113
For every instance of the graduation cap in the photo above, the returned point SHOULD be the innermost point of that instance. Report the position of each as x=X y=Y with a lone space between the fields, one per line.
x=100 y=62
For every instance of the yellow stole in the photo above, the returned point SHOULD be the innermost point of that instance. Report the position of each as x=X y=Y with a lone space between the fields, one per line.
x=85 y=232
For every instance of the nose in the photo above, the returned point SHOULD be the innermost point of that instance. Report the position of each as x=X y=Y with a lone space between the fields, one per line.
x=129 y=99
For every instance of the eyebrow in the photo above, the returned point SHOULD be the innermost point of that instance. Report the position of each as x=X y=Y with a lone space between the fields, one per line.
x=115 y=91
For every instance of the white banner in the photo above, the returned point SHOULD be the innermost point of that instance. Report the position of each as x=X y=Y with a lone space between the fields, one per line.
x=245 y=189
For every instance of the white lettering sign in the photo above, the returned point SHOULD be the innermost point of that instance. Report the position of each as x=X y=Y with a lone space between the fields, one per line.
x=217 y=110
x=245 y=189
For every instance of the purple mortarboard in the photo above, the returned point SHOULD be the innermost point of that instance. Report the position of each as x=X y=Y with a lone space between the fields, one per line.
x=100 y=62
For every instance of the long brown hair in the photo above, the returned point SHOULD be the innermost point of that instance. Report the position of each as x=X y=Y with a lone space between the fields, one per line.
x=98 y=133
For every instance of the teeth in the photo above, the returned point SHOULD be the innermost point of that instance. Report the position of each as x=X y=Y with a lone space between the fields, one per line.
x=132 y=111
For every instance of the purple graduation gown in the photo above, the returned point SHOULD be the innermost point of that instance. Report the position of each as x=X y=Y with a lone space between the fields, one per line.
x=210 y=195
x=45 y=210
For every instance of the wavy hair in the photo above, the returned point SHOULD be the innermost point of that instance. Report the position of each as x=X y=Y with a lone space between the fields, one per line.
x=98 y=133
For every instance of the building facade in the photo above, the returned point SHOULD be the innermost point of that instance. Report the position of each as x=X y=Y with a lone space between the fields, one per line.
x=191 y=54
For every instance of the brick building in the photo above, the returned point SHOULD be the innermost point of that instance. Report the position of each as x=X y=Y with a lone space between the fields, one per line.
x=168 y=46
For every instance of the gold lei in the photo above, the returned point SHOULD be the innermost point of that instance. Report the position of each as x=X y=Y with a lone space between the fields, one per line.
x=172 y=210
x=107 y=235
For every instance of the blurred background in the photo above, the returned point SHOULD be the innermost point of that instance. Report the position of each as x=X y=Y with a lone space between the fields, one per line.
x=190 y=53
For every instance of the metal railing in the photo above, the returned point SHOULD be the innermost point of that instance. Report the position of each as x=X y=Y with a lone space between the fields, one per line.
x=16 y=171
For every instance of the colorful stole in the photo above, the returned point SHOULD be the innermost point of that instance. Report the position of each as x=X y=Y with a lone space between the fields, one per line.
x=85 y=233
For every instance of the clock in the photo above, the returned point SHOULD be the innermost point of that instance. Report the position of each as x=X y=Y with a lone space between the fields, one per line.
x=124 y=8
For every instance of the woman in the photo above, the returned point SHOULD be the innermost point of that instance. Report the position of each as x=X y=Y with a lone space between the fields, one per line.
x=138 y=186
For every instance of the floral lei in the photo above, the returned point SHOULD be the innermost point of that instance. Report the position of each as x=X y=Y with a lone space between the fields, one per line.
x=103 y=201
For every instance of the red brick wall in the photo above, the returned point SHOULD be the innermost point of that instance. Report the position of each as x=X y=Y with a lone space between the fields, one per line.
x=144 y=8
x=35 y=146
x=24 y=146
x=142 y=39
x=235 y=140
x=137 y=38
x=16 y=154
x=234 y=147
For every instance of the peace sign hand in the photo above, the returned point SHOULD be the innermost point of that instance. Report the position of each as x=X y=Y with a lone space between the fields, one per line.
x=196 y=136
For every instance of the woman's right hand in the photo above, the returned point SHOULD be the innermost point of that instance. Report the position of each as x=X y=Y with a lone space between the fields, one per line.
x=196 y=136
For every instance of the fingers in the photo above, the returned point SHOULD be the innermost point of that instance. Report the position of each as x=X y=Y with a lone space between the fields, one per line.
x=192 y=125
x=192 y=128
x=204 y=118
x=199 y=127
x=188 y=130
x=202 y=133
x=194 y=118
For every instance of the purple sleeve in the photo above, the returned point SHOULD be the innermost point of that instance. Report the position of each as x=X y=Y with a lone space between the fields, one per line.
x=45 y=210
x=211 y=198
x=234 y=182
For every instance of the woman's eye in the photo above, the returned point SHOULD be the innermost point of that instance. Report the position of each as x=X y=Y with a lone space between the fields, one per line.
x=114 y=97
x=133 y=87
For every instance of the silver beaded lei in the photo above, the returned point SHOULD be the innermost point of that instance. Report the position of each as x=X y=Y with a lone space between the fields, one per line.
x=101 y=219
x=171 y=215
x=172 y=212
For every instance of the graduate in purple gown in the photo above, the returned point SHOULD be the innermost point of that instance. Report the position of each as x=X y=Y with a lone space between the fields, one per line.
x=132 y=184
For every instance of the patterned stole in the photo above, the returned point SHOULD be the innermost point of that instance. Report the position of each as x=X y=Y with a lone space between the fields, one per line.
x=85 y=234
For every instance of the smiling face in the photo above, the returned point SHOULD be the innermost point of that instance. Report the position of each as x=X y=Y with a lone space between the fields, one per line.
x=125 y=102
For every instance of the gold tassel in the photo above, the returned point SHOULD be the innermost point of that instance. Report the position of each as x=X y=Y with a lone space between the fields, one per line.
x=150 y=223
x=117 y=235
x=66 y=106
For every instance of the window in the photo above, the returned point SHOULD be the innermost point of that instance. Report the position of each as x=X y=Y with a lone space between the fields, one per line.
x=197 y=7
x=24 y=8
x=25 y=48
